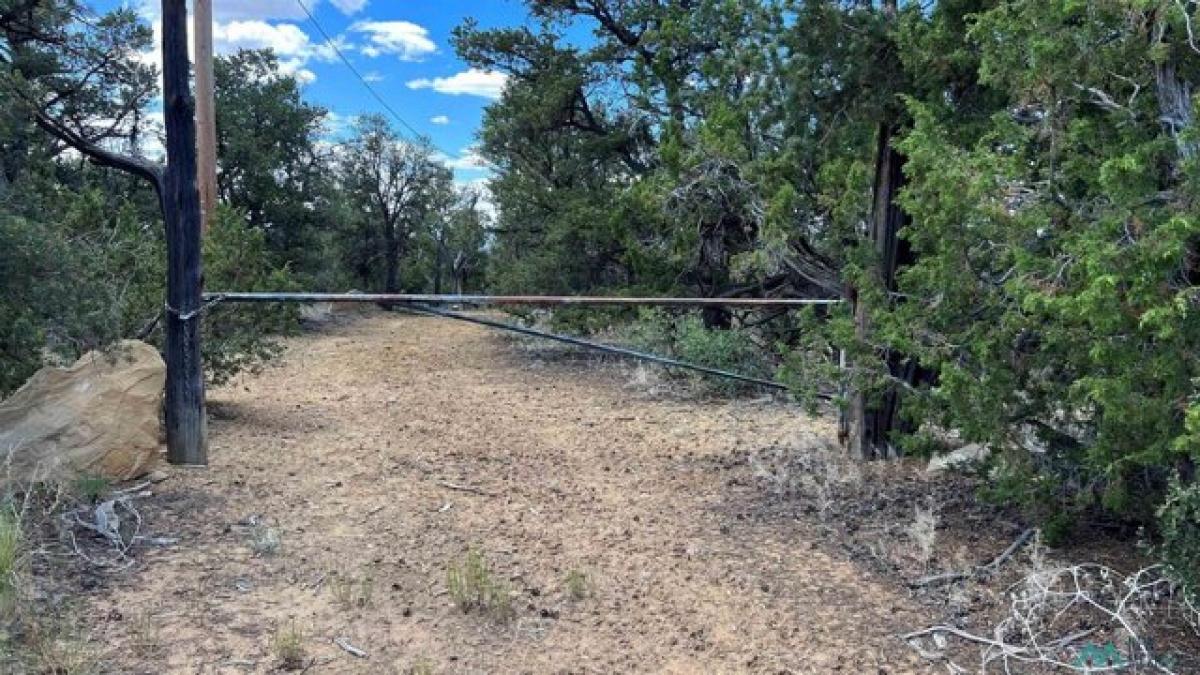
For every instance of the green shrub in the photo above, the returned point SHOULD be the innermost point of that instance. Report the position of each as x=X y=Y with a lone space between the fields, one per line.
x=731 y=350
x=585 y=320
x=682 y=337
x=73 y=284
x=1179 y=527
x=91 y=487
x=238 y=338
x=653 y=331
x=82 y=282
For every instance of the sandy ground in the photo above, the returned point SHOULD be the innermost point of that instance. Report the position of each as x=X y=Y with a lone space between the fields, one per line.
x=345 y=447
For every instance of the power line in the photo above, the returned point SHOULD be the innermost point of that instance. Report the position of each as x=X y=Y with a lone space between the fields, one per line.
x=333 y=45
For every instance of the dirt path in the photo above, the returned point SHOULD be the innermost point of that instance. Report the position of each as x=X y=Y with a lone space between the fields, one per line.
x=343 y=447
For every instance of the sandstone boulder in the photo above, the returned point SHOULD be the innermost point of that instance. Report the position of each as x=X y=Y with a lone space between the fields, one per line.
x=960 y=459
x=100 y=416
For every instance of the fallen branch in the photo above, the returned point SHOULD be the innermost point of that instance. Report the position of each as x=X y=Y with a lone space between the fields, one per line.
x=981 y=571
x=970 y=637
x=349 y=648
x=106 y=523
x=136 y=488
x=466 y=488
x=1118 y=606
x=999 y=560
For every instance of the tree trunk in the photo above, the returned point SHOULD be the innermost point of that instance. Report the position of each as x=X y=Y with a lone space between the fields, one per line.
x=391 y=282
x=187 y=436
x=872 y=419
x=438 y=264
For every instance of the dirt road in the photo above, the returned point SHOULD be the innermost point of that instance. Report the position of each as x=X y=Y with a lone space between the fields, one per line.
x=348 y=476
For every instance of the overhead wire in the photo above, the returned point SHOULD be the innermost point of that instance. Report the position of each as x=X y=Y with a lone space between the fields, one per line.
x=363 y=80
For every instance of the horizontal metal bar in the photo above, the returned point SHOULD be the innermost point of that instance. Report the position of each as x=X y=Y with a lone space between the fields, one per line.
x=596 y=346
x=515 y=300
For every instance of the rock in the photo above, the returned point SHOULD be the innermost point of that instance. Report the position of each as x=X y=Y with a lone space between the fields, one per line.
x=964 y=457
x=100 y=416
x=317 y=312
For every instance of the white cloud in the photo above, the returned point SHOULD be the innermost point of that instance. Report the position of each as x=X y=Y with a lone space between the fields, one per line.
x=230 y=10
x=440 y=120
x=260 y=9
x=290 y=43
x=350 y=7
x=338 y=125
x=472 y=82
x=404 y=39
x=468 y=160
x=373 y=77
x=286 y=39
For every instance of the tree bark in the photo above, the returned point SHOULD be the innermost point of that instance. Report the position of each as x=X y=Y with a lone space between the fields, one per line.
x=393 y=250
x=439 y=263
x=871 y=420
x=187 y=435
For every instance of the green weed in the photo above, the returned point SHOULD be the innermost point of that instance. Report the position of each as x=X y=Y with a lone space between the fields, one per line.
x=578 y=585
x=288 y=647
x=474 y=588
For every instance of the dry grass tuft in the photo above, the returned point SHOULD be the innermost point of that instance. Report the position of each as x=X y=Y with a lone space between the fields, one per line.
x=421 y=667
x=146 y=632
x=353 y=593
x=12 y=555
x=287 y=646
x=265 y=540
x=579 y=586
x=922 y=534
x=474 y=588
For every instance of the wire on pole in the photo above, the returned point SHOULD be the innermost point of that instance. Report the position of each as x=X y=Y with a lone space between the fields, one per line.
x=341 y=56
x=521 y=300
x=610 y=349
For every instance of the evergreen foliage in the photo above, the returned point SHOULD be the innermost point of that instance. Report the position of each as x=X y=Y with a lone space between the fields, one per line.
x=1050 y=268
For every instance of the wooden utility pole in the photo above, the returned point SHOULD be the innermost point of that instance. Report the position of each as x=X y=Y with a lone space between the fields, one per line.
x=187 y=435
x=206 y=114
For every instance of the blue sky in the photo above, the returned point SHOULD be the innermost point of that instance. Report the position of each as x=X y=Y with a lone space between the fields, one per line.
x=401 y=46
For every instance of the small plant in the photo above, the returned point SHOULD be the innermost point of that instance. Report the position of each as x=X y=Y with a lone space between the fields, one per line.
x=1179 y=526
x=288 y=647
x=922 y=532
x=91 y=488
x=473 y=587
x=725 y=349
x=56 y=643
x=147 y=637
x=65 y=656
x=265 y=540
x=353 y=593
x=11 y=555
x=421 y=667
x=578 y=585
